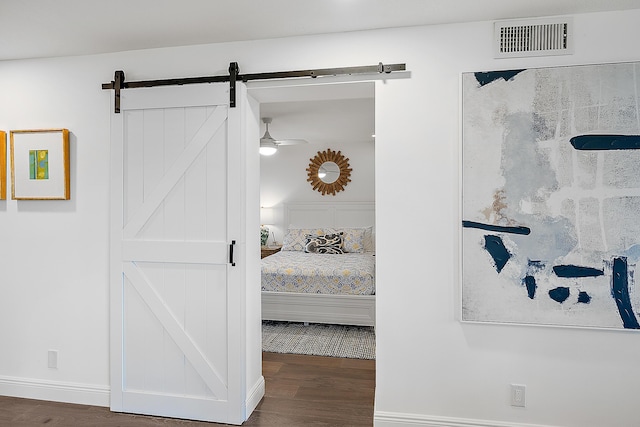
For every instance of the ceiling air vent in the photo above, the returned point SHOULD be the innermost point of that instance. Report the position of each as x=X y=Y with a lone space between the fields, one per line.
x=533 y=37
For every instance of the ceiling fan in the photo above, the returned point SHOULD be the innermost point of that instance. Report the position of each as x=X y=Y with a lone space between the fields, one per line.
x=269 y=145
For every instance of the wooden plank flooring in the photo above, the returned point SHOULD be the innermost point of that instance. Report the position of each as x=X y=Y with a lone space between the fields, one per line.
x=300 y=391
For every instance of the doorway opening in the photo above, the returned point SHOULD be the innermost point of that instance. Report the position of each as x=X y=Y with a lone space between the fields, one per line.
x=338 y=117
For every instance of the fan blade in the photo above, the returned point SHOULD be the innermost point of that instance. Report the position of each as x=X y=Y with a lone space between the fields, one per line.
x=290 y=141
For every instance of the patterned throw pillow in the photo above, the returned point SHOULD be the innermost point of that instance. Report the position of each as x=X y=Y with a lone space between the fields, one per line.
x=354 y=240
x=327 y=244
x=296 y=238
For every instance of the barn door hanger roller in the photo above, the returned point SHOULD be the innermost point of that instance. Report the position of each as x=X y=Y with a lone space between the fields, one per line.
x=119 y=82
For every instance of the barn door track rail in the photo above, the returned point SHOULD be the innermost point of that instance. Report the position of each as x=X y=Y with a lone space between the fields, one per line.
x=119 y=82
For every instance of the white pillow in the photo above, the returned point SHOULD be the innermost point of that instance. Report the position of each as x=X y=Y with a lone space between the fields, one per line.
x=369 y=240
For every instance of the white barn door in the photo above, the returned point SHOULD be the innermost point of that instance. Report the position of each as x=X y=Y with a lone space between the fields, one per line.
x=176 y=299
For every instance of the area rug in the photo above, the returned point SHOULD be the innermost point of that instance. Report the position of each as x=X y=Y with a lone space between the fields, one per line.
x=355 y=342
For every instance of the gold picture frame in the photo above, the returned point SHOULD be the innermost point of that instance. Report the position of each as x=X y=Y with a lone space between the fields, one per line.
x=3 y=165
x=40 y=164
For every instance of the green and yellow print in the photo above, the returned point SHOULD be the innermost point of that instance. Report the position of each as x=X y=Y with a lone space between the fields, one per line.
x=38 y=164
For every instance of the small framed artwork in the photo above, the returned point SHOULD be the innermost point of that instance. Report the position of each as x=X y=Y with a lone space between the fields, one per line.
x=3 y=165
x=40 y=164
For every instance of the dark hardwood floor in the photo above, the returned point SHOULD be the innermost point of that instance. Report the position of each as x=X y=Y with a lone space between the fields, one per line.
x=300 y=391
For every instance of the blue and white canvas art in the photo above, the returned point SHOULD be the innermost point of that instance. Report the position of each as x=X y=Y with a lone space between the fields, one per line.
x=551 y=196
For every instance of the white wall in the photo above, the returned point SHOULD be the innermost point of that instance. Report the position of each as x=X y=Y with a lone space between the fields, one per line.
x=55 y=253
x=443 y=371
x=431 y=369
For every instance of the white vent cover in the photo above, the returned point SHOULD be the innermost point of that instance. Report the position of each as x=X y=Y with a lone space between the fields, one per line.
x=533 y=37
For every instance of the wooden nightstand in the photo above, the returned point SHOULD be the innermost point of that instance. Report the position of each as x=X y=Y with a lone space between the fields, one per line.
x=265 y=251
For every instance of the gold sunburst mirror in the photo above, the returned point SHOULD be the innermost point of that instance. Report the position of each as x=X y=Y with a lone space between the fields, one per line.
x=329 y=172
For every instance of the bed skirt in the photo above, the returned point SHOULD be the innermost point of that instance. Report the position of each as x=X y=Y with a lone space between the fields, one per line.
x=319 y=308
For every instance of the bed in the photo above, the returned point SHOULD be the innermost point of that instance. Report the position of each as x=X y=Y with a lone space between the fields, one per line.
x=323 y=287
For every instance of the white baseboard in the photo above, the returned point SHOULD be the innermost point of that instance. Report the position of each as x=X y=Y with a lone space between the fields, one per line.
x=54 y=391
x=83 y=394
x=396 y=419
x=255 y=396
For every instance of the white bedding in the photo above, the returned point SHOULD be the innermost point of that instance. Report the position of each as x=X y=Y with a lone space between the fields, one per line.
x=296 y=271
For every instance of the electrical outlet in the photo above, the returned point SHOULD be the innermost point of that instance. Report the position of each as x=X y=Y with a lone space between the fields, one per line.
x=518 y=395
x=53 y=359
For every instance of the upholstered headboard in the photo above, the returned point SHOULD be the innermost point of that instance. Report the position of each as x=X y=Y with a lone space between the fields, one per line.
x=321 y=214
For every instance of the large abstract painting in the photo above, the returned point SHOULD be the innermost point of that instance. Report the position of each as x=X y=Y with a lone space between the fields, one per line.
x=551 y=196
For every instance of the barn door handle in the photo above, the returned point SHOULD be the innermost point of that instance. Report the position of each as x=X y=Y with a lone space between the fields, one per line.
x=233 y=243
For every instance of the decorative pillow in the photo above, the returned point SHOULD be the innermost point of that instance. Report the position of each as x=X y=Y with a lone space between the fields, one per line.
x=354 y=240
x=369 y=240
x=326 y=244
x=295 y=239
